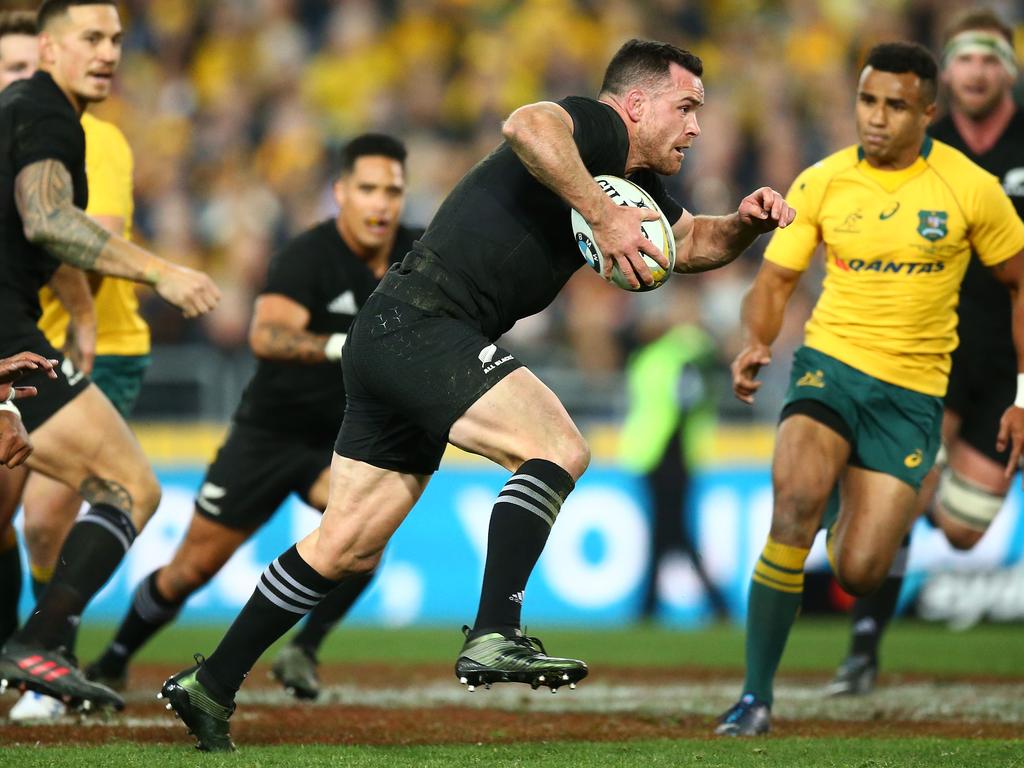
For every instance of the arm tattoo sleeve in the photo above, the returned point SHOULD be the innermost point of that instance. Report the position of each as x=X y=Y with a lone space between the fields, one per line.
x=43 y=195
x=98 y=490
x=283 y=343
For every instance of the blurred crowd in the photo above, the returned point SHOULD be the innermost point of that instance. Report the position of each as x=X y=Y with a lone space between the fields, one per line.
x=234 y=109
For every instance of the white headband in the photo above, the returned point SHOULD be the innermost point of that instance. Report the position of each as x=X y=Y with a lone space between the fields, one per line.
x=981 y=41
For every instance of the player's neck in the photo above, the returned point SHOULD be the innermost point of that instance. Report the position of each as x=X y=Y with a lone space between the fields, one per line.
x=374 y=258
x=77 y=104
x=982 y=134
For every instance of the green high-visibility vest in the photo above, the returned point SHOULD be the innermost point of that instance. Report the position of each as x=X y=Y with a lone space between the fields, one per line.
x=669 y=395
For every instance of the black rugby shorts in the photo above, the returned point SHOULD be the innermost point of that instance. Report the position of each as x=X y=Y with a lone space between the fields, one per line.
x=253 y=473
x=982 y=384
x=410 y=375
x=53 y=394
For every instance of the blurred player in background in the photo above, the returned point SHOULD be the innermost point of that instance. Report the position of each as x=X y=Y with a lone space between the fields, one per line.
x=78 y=436
x=122 y=337
x=284 y=428
x=900 y=215
x=670 y=381
x=963 y=494
x=422 y=369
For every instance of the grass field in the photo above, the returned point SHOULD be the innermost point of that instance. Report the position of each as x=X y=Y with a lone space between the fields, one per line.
x=945 y=699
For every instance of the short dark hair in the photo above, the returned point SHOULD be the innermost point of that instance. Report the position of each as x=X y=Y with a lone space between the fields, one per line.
x=17 y=23
x=51 y=9
x=907 y=57
x=370 y=144
x=975 y=19
x=645 y=62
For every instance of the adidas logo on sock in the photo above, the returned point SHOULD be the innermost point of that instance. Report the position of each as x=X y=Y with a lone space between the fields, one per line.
x=517 y=597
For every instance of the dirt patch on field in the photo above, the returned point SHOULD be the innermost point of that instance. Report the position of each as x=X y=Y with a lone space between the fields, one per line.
x=380 y=705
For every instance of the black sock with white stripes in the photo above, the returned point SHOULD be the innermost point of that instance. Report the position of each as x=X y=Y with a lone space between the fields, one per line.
x=330 y=611
x=93 y=549
x=149 y=613
x=288 y=589
x=520 y=523
x=871 y=613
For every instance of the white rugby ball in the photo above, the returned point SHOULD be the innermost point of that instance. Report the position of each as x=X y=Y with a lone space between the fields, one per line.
x=658 y=231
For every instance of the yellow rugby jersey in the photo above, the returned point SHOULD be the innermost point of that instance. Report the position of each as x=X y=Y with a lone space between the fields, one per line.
x=897 y=244
x=120 y=330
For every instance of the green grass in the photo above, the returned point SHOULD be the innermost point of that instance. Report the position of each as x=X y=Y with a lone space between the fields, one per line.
x=911 y=647
x=815 y=645
x=764 y=753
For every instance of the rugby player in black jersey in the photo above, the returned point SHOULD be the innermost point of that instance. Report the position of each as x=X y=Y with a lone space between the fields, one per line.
x=77 y=435
x=422 y=368
x=284 y=429
x=966 y=490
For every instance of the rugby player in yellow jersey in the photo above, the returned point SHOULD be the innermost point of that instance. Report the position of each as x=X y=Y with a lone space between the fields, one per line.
x=898 y=215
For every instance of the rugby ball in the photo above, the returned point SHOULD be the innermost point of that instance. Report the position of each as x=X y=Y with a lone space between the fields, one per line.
x=658 y=231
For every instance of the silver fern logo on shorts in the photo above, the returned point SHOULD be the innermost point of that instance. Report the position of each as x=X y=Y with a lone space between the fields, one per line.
x=487 y=361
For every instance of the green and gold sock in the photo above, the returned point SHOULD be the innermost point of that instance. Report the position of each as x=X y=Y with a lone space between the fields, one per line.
x=776 y=591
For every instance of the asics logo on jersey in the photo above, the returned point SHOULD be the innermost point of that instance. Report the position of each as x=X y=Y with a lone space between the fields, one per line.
x=932 y=225
x=68 y=369
x=812 y=379
x=344 y=304
x=894 y=267
x=889 y=213
x=208 y=494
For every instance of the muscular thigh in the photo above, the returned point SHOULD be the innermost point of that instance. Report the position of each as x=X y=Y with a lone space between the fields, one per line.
x=366 y=506
x=254 y=472
x=518 y=419
x=809 y=457
x=876 y=512
x=88 y=439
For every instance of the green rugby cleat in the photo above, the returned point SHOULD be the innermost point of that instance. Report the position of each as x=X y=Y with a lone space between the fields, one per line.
x=295 y=669
x=205 y=718
x=497 y=658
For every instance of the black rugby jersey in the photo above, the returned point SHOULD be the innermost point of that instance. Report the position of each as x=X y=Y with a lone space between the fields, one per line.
x=318 y=270
x=501 y=247
x=985 y=310
x=37 y=122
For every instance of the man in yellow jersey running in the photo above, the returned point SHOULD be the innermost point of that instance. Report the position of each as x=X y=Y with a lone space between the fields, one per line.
x=899 y=216
x=122 y=336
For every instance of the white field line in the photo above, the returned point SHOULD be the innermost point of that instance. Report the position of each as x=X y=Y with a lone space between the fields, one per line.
x=963 y=702
x=916 y=701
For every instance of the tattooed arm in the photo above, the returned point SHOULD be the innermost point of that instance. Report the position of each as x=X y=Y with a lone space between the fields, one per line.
x=43 y=194
x=278 y=332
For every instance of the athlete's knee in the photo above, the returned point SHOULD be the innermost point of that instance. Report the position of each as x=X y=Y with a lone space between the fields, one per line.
x=41 y=539
x=137 y=493
x=796 y=515
x=965 y=510
x=859 y=573
x=574 y=457
x=184 y=575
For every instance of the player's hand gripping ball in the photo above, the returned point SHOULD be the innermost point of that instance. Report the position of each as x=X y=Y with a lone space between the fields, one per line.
x=659 y=232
